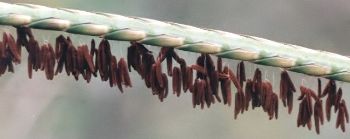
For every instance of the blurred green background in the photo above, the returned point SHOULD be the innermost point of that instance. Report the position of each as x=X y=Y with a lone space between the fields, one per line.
x=66 y=109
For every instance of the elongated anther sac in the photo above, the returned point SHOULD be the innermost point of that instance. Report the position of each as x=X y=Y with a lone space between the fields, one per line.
x=158 y=67
x=219 y=64
x=177 y=81
x=169 y=62
x=241 y=73
x=123 y=69
x=287 y=89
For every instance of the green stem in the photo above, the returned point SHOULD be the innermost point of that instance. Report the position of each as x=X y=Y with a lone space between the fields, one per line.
x=184 y=37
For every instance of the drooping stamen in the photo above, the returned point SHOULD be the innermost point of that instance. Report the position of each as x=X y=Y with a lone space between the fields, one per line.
x=287 y=89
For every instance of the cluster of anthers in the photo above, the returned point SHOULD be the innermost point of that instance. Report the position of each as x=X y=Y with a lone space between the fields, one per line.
x=210 y=79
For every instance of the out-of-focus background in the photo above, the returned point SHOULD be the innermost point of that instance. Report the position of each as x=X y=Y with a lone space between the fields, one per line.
x=66 y=109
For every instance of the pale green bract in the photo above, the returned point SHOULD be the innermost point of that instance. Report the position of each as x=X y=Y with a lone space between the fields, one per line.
x=183 y=37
